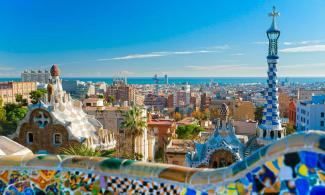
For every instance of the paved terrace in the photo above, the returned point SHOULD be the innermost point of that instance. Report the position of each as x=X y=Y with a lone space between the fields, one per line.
x=295 y=164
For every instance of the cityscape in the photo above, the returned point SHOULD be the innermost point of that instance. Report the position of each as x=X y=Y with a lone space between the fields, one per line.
x=124 y=128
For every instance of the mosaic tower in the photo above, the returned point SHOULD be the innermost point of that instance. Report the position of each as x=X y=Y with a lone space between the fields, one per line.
x=270 y=129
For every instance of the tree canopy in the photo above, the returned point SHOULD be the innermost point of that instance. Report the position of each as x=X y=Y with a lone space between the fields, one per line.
x=84 y=150
x=134 y=124
x=188 y=131
x=259 y=113
x=20 y=100
x=37 y=95
x=10 y=115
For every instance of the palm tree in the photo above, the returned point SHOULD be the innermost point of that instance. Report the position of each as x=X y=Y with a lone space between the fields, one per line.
x=134 y=124
x=84 y=150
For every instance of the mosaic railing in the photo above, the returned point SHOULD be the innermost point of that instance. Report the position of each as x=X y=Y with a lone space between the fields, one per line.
x=294 y=165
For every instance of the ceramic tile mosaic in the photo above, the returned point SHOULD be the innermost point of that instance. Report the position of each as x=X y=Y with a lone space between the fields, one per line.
x=298 y=169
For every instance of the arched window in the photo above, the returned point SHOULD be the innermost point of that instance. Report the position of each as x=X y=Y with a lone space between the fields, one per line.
x=279 y=134
x=57 y=139
x=272 y=134
x=264 y=133
x=30 y=138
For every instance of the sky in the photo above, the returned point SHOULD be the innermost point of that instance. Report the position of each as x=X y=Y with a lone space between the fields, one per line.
x=183 y=38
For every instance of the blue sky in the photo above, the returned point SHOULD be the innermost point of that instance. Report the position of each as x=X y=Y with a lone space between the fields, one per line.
x=147 y=37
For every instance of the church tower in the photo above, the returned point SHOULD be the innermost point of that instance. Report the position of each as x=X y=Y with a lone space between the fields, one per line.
x=270 y=129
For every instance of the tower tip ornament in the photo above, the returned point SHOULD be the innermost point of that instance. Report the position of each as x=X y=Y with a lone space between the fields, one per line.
x=55 y=71
x=273 y=14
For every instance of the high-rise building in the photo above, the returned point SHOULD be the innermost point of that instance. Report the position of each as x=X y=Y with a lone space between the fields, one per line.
x=70 y=86
x=121 y=92
x=205 y=101
x=156 y=83
x=271 y=129
x=182 y=97
x=311 y=114
x=36 y=76
x=156 y=102
x=166 y=79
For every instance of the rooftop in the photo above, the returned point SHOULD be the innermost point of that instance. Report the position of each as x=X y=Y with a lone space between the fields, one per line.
x=10 y=147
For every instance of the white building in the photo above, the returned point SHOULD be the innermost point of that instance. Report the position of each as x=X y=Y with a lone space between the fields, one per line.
x=311 y=114
x=182 y=97
x=59 y=121
x=36 y=76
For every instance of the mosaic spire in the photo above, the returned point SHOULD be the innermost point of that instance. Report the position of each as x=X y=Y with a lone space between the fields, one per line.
x=270 y=128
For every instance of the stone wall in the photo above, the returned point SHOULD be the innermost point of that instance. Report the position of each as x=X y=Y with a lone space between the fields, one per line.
x=43 y=137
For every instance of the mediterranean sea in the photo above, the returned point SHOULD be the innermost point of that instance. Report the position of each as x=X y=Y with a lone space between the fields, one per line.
x=194 y=80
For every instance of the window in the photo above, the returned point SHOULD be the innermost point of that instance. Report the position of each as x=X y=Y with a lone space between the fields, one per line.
x=272 y=134
x=322 y=123
x=57 y=139
x=264 y=134
x=30 y=138
x=322 y=114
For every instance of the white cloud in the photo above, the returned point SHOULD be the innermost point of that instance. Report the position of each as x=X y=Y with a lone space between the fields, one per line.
x=221 y=47
x=305 y=49
x=127 y=73
x=288 y=43
x=137 y=56
x=5 y=68
x=308 y=42
x=166 y=53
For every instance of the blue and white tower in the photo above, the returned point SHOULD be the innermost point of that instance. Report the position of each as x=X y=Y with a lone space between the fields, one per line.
x=270 y=129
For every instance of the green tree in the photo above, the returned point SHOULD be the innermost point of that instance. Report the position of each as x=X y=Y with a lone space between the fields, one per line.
x=10 y=115
x=37 y=95
x=134 y=124
x=100 y=96
x=259 y=113
x=16 y=115
x=2 y=112
x=111 y=99
x=159 y=155
x=84 y=150
x=290 y=130
x=7 y=128
x=20 y=100
x=188 y=131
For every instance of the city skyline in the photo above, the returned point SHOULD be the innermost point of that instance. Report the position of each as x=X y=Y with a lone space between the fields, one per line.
x=214 y=39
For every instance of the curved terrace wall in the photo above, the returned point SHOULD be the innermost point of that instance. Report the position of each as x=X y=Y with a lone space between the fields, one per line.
x=295 y=164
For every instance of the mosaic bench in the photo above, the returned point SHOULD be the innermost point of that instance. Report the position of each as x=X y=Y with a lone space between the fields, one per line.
x=293 y=165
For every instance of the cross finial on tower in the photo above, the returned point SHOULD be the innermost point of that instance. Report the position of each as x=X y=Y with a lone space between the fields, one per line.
x=274 y=13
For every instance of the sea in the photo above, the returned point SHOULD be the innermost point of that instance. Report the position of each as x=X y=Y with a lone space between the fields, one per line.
x=195 y=80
